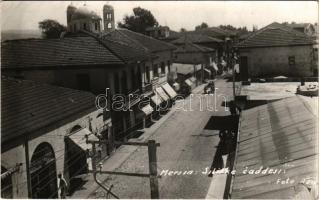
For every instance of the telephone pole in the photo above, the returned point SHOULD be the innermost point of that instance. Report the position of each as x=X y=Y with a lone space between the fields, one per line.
x=152 y=175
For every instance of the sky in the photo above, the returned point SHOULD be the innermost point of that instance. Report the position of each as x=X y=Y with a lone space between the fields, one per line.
x=25 y=15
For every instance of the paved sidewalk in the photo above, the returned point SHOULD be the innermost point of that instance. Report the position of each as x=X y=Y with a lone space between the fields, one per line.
x=124 y=152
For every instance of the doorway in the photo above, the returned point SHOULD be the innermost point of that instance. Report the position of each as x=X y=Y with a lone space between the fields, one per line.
x=43 y=173
x=243 y=65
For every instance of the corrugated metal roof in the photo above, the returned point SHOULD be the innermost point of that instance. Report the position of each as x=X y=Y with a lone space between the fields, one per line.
x=280 y=136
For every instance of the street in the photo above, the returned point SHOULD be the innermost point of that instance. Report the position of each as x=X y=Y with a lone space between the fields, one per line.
x=186 y=148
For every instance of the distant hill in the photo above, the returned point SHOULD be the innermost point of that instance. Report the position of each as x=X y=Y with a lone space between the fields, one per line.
x=19 y=34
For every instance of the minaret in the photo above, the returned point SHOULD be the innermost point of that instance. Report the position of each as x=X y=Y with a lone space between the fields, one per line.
x=108 y=17
x=69 y=12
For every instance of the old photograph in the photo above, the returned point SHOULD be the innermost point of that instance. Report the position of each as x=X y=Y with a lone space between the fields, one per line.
x=159 y=100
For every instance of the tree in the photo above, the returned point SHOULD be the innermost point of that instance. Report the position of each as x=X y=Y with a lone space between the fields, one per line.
x=182 y=30
x=139 y=21
x=239 y=31
x=51 y=28
x=202 y=26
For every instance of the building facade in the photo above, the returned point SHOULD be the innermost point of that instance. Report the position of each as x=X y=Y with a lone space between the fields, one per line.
x=46 y=137
x=277 y=50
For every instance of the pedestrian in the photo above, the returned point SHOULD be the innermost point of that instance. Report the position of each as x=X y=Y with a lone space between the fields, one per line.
x=62 y=186
x=236 y=70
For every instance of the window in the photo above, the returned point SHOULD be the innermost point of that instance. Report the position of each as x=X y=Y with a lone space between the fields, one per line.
x=315 y=54
x=162 y=68
x=109 y=25
x=169 y=66
x=84 y=26
x=74 y=27
x=147 y=72
x=109 y=16
x=95 y=26
x=155 y=71
x=83 y=81
x=291 y=60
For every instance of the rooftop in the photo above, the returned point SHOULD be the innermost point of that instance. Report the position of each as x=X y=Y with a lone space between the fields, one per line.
x=138 y=40
x=195 y=38
x=193 y=48
x=271 y=90
x=281 y=136
x=275 y=34
x=83 y=49
x=69 y=51
x=27 y=106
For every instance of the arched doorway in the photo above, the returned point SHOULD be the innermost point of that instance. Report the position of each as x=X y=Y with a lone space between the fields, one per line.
x=6 y=184
x=43 y=172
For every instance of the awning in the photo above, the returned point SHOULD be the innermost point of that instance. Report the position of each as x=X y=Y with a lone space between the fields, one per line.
x=176 y=86
x=193 y=79
x=188 y=82
x=161 y=92
x=147 y=109
x=156 y=99
x=169 y=90
x=79 y=138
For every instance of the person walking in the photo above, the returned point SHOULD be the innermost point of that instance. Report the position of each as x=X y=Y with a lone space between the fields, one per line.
x=62 y=186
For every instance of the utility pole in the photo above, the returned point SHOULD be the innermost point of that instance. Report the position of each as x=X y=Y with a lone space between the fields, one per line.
x=152 y=159
x=152 y=175
x=202 y=74
x=234 y=79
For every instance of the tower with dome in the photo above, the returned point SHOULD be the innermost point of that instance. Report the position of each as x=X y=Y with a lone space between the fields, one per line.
x=82 y=18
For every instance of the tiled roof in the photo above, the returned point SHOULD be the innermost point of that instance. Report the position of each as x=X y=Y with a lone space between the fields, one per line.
x=299 y=25
x=281 y=135
x=138 y=40
x=125 y=52
x=69 y=51
x=275 y=34
x=191 y=48
x=27 y=106
x=195 y=38
x=214 y=32
x=217 y=32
